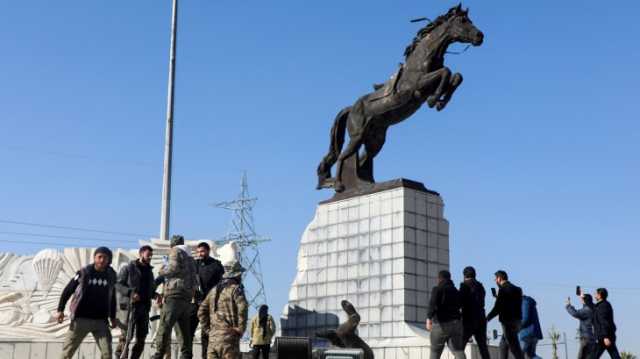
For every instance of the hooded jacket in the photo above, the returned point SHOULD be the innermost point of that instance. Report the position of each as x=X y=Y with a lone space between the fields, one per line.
x=585 y=315
x=530 y=326
x=180 y=279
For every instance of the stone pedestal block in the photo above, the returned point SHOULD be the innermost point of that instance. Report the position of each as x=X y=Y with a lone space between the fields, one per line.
x=381 y=250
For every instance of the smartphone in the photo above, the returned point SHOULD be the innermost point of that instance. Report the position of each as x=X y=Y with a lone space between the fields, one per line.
x=495 y=334
x=578 y=291
x=494 y=292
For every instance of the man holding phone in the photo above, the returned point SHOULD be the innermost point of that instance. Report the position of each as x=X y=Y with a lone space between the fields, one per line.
x=585 y=331
x=508 y=307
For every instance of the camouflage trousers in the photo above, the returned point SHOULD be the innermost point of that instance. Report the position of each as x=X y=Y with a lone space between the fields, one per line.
x=223 y=347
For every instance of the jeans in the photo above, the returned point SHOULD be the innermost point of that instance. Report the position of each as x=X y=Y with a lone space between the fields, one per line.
x=447 y=333
x=479 y=332
x=510 y=341
x=587 y=348
x=528 y=346
x=613 y=349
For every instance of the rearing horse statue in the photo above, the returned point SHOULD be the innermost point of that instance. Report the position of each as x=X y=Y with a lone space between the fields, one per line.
x=422 y=78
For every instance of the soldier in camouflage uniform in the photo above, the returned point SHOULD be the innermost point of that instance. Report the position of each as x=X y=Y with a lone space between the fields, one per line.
x=223 y=314
x=180 y=284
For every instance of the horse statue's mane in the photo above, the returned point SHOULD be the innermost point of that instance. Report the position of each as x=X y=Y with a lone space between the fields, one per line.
x=422 y=33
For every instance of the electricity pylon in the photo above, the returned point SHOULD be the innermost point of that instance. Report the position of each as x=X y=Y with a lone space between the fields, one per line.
x=243 y=233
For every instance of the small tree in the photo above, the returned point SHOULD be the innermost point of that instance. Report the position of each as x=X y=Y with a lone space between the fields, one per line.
x=627 y=355
x=554 y=335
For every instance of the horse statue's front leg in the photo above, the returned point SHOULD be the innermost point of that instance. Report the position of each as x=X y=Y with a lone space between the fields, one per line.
x=442 y=75
x=456 y=80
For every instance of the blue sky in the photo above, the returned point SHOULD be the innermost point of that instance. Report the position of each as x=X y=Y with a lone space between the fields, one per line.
x=536 y=156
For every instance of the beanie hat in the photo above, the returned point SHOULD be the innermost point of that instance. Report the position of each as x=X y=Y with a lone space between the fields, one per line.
x=104 y=250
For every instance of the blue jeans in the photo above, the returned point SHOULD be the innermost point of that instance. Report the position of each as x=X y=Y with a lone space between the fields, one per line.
x=528 y=346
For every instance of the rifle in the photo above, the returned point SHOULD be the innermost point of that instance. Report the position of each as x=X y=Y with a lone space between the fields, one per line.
x=130 y=328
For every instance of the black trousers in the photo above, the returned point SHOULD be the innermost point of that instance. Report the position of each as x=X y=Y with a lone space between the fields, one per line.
x=264 y=349
x=510 y=341
x=586 y=349
x=204 y=338
x=478 y=330
x=141 y=329
x=613 y=349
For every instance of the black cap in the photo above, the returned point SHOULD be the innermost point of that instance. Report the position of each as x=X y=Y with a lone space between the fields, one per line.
x=104 y=250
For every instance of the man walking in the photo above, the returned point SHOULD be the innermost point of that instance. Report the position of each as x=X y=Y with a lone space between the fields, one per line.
x=209 y=271
x=223 y=315
x=93 y=303
x=585 y=315
x=444 y=318
x=474 y=320
x=605 y=328
x=508 y=308
x=135 y=289
x=530 y=331
x=180 y=284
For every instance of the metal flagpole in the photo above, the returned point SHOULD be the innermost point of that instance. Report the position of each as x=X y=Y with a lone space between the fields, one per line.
x=168 y=146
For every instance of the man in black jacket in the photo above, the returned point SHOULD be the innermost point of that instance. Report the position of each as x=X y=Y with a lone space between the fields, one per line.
x=443 y=318
x=509 y=309
x=474 y=321
x=136 y=285
x=605 y=328
x=93 y=303
x=209 y=271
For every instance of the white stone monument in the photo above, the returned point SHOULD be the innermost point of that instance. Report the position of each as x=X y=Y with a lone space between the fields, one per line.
x=382 y=251
x=30 y=288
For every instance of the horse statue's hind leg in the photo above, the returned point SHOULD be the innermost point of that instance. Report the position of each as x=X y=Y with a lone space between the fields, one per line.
x=372 y=145
x=352 y=148
x=337 y=141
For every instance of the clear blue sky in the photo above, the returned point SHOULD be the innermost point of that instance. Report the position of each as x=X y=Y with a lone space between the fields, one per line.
x=536 y=156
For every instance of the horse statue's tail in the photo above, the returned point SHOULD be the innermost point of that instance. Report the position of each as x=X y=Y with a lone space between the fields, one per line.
x=337 y=141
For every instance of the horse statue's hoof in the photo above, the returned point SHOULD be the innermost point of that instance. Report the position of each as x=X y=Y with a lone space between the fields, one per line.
x=440 y=105
x=431 y=101
x=325 y=183
x=338 y=187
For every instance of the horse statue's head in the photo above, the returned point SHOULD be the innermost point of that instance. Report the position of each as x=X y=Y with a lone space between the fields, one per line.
x=454 y=26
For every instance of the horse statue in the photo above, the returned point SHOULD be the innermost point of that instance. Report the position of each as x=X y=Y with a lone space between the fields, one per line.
x=346 y=335
x=422 y=78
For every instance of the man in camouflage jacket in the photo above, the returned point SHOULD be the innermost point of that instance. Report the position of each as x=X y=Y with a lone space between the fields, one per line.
x=180 y=284
x=223 y=315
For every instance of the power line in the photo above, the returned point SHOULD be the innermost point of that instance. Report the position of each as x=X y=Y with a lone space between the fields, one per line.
x=66 y=237
x=81 y=157
x=80 y=229
x=54 y=244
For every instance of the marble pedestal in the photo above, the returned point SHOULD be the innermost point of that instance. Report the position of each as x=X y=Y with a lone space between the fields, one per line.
x=381 y=250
